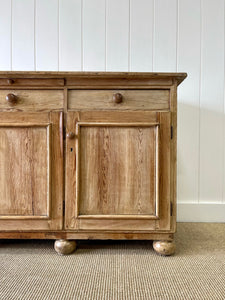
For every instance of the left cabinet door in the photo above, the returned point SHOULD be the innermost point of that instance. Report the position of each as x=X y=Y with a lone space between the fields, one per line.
x=31 y=171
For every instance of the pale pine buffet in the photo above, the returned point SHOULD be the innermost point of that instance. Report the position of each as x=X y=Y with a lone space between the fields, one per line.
x=87 y=155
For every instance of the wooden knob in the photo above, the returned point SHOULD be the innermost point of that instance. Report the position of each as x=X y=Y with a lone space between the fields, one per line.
x=70 y=135
x=11 y=99
x=117 y=98
x=10 y=81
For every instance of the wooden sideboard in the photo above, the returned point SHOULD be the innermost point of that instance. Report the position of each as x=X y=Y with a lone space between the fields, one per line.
x=88 y=155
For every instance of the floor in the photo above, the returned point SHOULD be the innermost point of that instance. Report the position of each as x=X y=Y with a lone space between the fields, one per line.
x=117 y=269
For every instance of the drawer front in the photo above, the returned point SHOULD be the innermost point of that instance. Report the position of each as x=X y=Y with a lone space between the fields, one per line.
x=33 y=82
x=119 y=99
x=30 y=100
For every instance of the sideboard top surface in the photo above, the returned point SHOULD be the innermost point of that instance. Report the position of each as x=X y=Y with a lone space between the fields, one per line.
x=69 y=77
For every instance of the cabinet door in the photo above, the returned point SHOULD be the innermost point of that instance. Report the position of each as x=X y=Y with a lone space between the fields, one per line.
x=31 y=171
x=118 y=170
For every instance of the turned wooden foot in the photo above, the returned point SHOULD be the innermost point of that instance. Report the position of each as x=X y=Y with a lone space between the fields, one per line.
x=164 y=247
x=64 y=247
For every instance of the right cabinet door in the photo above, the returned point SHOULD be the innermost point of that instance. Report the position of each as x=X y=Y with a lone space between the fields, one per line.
x=118 y=171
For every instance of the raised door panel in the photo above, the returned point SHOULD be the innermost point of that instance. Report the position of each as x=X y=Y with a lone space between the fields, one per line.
x=24 y=167
x=115 y=171
x=117 y=175
x=31 y=171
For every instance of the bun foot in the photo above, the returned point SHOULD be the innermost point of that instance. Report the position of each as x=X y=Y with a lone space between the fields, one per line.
x=65 y=247
x=164 y=248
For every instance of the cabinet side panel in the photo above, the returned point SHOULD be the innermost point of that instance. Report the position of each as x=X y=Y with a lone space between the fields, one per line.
x=173 y=158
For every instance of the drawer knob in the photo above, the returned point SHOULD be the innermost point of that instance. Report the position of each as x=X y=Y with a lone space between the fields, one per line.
x=10 y=81
x=70 y=135
x=11 y=99
x=117 y=98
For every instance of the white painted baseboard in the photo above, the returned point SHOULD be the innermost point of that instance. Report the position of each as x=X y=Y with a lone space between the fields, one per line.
x=191 y=212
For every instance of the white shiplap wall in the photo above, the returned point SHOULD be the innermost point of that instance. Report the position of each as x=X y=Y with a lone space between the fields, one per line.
x=139 y=35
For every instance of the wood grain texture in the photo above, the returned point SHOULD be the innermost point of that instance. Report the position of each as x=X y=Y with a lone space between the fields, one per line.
x=114 y=224
x=70 y=222
x=111 y=117
x=57 y=168
x=24 y=178
x=164 y=166
x=109 y=77
x=30 y=100
x=117 y=170
x=89 y=235
x=131 y=100
x=114 y=172
x=173 y=159
x=118 y=83
x=120 y=169
x=24 y=82
x=31 y=181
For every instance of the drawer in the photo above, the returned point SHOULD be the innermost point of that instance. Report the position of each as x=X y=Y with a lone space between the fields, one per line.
x=31 y=82
x=30 y=100
x=119 y=99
